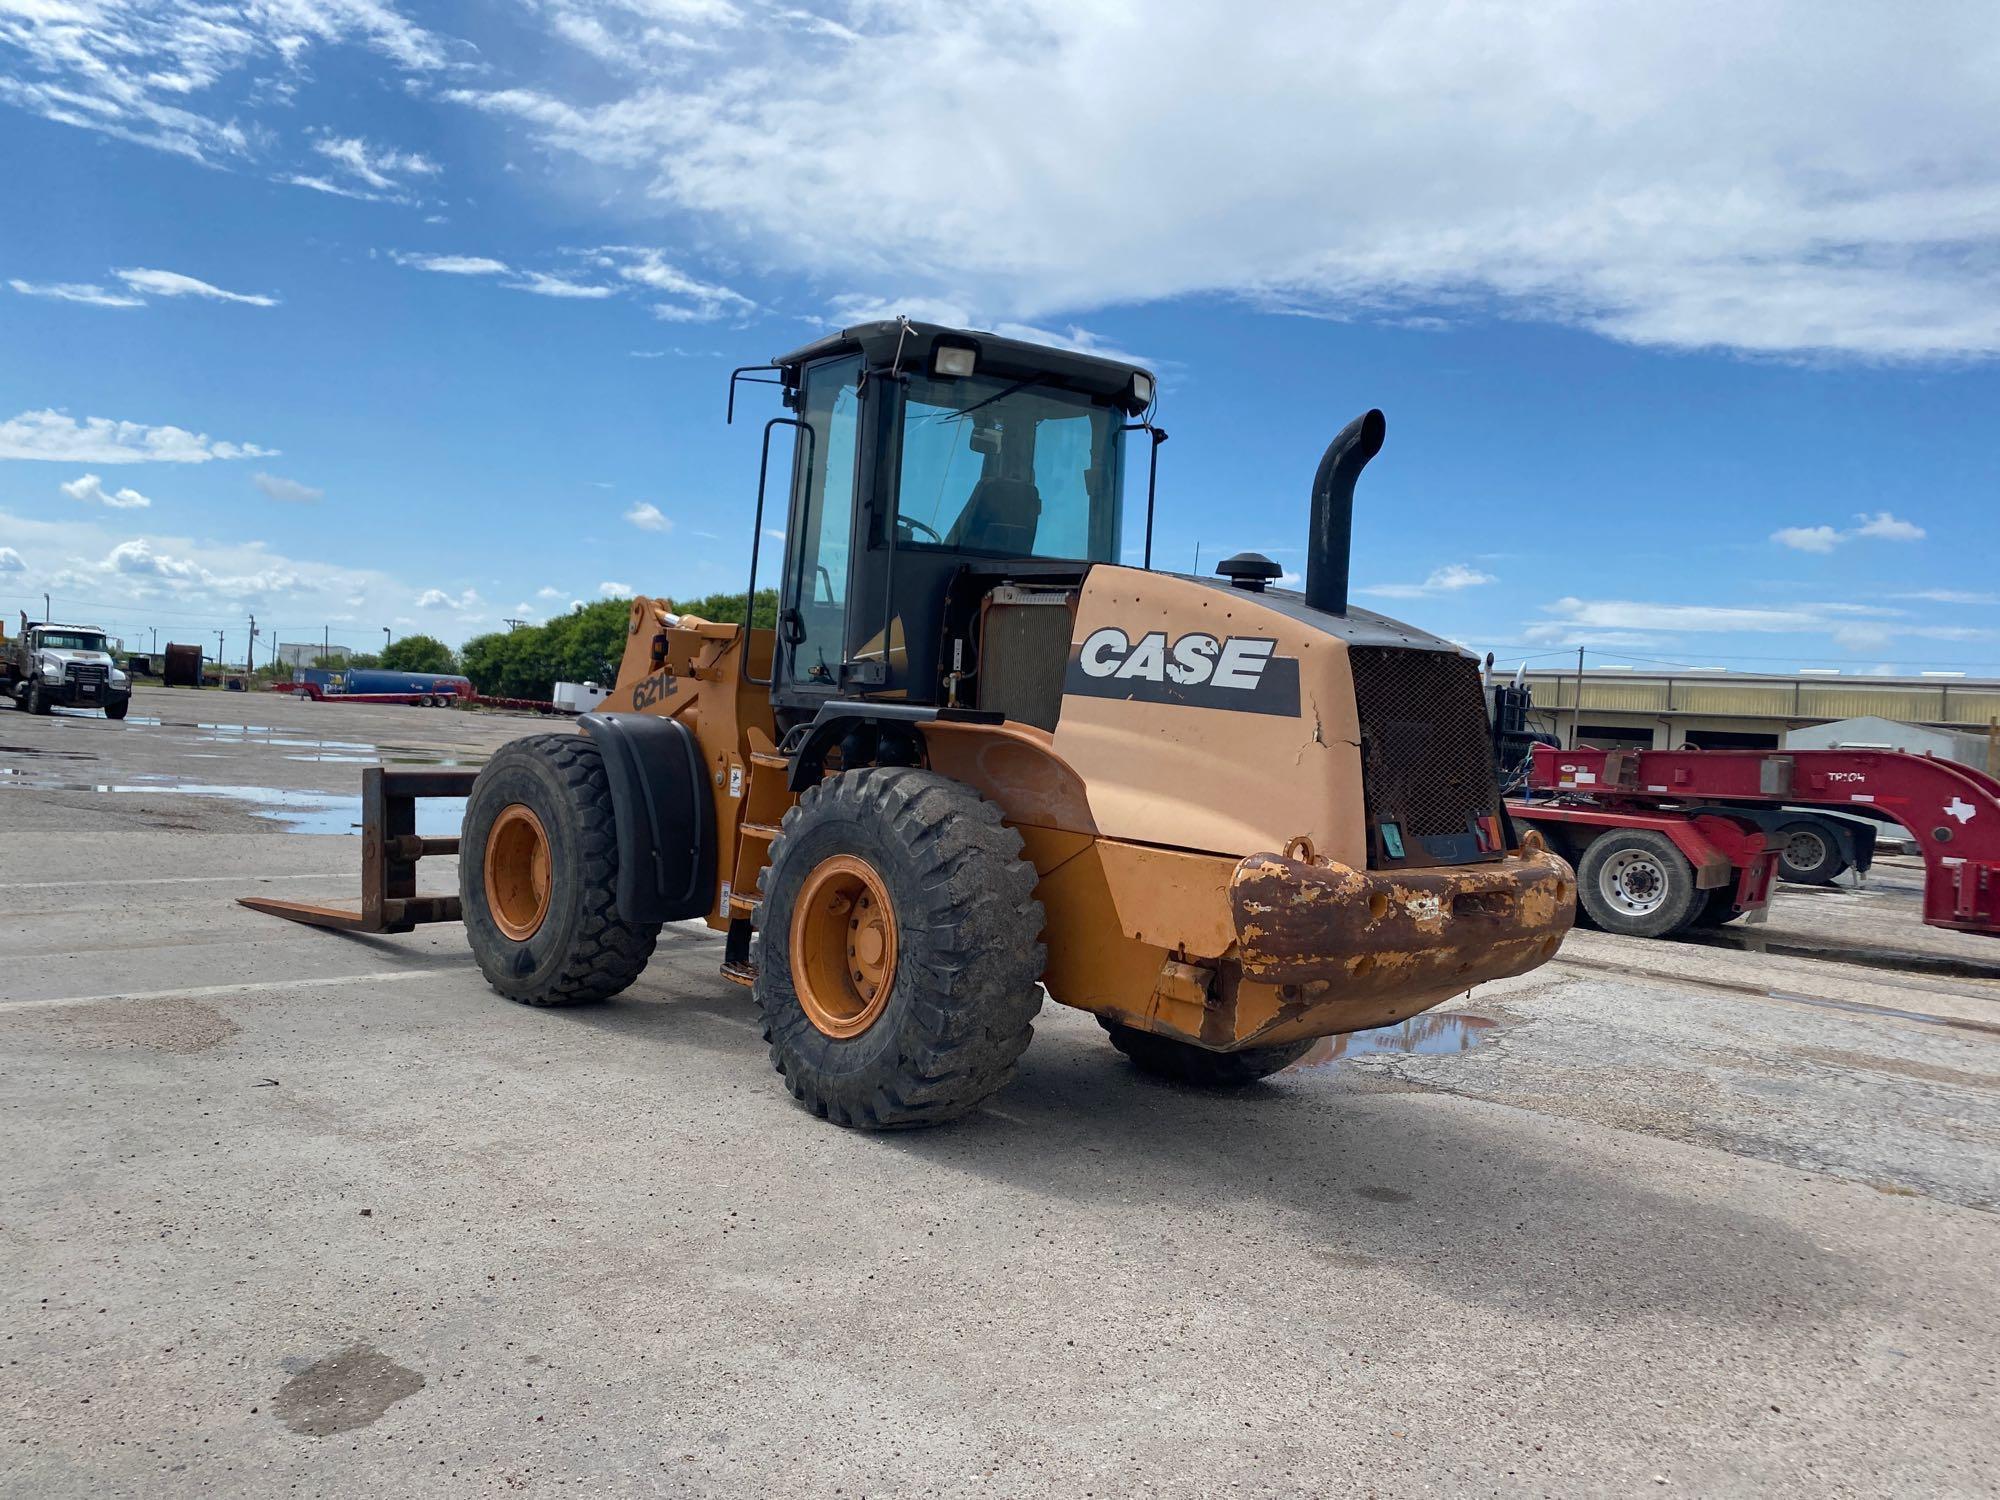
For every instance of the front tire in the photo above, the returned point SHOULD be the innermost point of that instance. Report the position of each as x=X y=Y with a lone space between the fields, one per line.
x=38 y=701
x=1807 y=855
x=1637 y=884
x=1184 y=1062
x=899 y=952
x=117 y=710
x=537 y=875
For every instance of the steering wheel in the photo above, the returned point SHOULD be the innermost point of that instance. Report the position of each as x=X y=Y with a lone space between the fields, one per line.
x=912 y=524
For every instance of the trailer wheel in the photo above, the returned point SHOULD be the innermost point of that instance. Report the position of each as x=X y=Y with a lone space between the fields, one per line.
x=1806 y=855
x=899 y=949
x=537 y=872
x=1636 y=883
x=1184 y=1062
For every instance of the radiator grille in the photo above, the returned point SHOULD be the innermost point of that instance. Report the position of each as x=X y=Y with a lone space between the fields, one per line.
x=80 y=672
x=1022 y=660
x=1426 y=756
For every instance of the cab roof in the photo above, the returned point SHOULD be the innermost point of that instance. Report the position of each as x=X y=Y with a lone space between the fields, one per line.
x=1009 y=359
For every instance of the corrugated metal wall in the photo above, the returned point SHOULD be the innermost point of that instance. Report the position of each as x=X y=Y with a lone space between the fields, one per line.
x=1720 y=696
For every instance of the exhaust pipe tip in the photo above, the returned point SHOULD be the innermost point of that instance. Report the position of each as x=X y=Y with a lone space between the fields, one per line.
x=1330 y=540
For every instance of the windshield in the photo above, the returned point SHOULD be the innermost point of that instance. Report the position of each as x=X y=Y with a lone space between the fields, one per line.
x=71 y=640
x=1010 y=469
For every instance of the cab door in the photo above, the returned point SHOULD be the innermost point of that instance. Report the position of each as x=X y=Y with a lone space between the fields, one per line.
x=819 y=550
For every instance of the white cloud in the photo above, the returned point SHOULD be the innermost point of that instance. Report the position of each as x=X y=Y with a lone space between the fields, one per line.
x=1448 y=579
x=547 y=592
x=700 y=301
x=1608 y=622
x=466 y=601
x=542 y=284
x=1786 y=183
x=173 y=284
x=321 y=185
x=89 y=490
x=1951 y=596
x=1888 y=528
x=647 y=517
x=615 y=590
x=1823 y=539
x=88 y=293
x=1808 y=538
x=453 y=265
x=289 y=490
x=173 y=74
x=10 y=561
x=380 y=167
x=60 y=438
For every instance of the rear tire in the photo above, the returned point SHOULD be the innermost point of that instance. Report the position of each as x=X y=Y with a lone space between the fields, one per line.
x=1637 y=884
x=927 y=1034
x=1186 y=1063
x=1807 y=855
x=569 y=946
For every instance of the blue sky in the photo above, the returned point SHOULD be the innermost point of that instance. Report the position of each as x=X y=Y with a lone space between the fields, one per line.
x=354 y=315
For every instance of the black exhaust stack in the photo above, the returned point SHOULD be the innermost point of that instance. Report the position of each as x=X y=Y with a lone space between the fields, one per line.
x=1331 y=540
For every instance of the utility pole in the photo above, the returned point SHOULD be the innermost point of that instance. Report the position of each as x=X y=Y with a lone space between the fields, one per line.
x=250 y=651
x=155 y=631
x=513 y=624
x=325 y=642
x=218 y=648
x=385 y=637
x=1576 y=710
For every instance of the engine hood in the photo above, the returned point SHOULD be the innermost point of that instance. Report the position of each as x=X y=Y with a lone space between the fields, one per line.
x=1357 y=627
x=67 y=658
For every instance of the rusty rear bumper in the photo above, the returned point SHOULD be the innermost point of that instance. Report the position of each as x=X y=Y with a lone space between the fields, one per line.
x=1346 y=948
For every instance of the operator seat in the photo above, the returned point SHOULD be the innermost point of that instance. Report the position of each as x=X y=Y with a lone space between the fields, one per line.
x=1002 y=515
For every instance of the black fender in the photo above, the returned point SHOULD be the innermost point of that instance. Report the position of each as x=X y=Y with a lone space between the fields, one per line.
x=664 y=812
x=838 y=716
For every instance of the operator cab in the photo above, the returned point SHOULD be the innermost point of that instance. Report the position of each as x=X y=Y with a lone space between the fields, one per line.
x=932 y=464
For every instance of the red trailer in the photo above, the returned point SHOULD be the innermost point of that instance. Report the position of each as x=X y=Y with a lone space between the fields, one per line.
x=1664 y=840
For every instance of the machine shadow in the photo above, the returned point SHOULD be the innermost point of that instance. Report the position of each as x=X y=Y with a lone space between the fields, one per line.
x=1413 y=1180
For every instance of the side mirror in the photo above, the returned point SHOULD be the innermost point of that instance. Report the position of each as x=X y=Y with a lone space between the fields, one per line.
x=791 y=627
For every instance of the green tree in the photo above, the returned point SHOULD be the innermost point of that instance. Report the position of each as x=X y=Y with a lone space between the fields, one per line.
x=418 y=653
x=585 y=645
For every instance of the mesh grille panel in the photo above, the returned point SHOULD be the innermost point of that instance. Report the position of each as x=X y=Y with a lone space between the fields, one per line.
x=1426 y=755
x=1025 y=652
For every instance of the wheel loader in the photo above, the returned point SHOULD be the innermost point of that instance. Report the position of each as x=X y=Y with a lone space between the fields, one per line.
x=978 y=758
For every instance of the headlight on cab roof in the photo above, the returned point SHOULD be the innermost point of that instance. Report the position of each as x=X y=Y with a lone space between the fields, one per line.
x=1142 y=389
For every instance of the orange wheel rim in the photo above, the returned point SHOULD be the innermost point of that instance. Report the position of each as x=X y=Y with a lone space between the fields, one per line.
x=843 y=946
x=517 y=872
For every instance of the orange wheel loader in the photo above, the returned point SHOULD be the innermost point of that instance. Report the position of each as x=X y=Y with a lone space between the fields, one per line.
x=978 y=759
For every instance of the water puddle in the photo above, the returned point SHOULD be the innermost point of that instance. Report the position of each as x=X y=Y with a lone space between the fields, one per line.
x=1431 y=1035
x=1897 y=960
x=294 y=811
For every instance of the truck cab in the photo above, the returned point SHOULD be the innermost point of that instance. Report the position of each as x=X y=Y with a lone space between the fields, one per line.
x=51 y=665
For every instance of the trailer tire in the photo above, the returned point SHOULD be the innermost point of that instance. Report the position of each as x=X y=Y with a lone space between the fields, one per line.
x=568 y=945
x=1184 y=1062
x=945 y=971
x=1806 y=855
x=1634 y=882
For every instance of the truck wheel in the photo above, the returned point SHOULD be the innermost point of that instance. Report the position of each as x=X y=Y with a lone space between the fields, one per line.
x=1636 y=883
x=537 y=871
x=1186 y=1063
x=1807 y=854
x=38 y=701
x=117 y=710
x=899 y=949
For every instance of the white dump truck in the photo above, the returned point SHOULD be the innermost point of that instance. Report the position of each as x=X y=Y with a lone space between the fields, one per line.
x=49 y=666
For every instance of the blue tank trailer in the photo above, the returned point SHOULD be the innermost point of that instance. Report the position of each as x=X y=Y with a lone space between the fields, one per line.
x=374 y=685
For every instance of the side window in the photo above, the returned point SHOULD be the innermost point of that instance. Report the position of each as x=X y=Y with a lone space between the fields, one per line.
x=823 y=522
